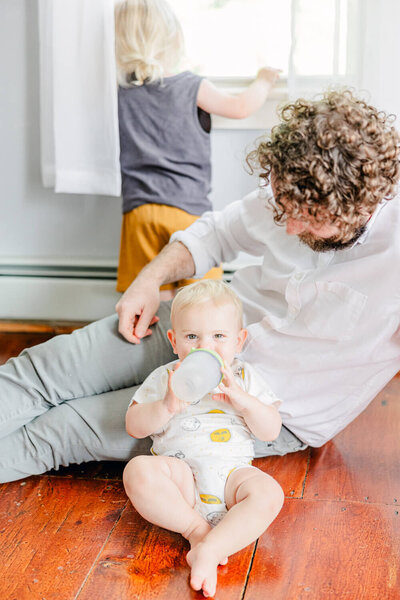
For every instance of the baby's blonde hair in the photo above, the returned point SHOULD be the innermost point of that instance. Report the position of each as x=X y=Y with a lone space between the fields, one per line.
x=206 y=290
x=148 y=41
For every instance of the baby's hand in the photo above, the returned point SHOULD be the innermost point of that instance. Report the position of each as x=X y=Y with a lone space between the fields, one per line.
x=172 y=402
x=269 y=74
x=232 y=393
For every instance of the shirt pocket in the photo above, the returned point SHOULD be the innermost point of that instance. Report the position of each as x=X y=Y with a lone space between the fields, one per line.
x=335 y=311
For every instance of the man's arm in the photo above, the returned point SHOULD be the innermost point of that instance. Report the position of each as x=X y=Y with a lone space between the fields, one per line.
x=214 y=238
x=137 y=307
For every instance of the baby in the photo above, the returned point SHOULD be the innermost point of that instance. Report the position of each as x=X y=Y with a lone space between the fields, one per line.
x=199 y=481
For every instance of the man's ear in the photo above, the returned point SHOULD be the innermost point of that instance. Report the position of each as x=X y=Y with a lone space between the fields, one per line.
x=242 y=335
x=172 y=338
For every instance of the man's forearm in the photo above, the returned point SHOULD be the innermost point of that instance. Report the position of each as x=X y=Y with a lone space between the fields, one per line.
x=172 y=264
x=138 y=306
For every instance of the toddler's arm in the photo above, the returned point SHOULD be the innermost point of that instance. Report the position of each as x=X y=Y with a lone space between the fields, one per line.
x=239 y=106
x=263 y=420
x=143 y=419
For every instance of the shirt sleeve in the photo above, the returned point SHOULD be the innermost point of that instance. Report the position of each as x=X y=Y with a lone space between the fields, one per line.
x=154 y=386
x=256 y=386
x=220 y=236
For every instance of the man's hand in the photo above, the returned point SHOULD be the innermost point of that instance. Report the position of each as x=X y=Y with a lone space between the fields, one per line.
x=137 y=308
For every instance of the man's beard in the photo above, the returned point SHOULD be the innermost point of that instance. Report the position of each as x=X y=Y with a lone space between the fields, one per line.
x=328 y=244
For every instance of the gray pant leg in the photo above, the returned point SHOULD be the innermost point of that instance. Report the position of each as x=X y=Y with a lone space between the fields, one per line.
x=55 y=399
x=88 y=362
x=285 y=442
x=77 y=431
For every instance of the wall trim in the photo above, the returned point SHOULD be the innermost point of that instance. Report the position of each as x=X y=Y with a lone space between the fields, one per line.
x=49 y=298
x=51 y=289
x=66 y=289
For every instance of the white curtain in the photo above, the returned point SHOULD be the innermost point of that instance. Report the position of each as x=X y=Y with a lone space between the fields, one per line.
x=379 y=53
x=78 y=96
x=354 y=43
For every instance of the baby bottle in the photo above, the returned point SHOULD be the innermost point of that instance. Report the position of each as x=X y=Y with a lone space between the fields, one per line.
x=199 y=373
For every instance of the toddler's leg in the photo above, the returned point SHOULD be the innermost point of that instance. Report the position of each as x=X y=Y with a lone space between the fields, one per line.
x=253 y=499
x=162 y=490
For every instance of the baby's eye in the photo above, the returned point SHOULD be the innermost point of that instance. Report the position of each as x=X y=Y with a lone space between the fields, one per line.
x=191 y=336
x=219 y=336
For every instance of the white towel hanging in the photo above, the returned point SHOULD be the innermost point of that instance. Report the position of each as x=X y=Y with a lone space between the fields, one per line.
x=78 y=97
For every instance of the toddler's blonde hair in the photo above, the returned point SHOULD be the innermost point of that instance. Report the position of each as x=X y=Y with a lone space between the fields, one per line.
x=206 y=290
x=148 y=41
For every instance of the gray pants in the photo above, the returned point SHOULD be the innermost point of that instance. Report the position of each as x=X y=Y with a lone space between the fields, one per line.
x=65 y=401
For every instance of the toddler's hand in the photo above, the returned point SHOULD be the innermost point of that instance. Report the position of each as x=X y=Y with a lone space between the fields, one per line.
x=172 y=402
x=232 y=393
x=269 y=74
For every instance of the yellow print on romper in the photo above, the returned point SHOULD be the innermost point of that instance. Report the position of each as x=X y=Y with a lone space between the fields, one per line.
x=220 y=435
x=210 y=499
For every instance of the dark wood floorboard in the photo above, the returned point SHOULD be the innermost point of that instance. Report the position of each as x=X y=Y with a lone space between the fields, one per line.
x=72 y=534
x=143 y=561
x=52 y=531
x=319 y=550
x=363 y=462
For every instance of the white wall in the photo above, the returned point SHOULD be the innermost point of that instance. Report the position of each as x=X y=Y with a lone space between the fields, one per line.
x=35 y=222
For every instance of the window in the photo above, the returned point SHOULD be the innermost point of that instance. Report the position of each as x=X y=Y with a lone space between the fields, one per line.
x=234 y=38
x=229 y=40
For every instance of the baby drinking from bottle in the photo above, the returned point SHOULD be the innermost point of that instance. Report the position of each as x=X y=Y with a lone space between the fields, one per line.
x=199 y=481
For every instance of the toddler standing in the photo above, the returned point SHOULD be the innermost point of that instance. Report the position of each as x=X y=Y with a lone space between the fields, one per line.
x=200 y=481
x=164 y=121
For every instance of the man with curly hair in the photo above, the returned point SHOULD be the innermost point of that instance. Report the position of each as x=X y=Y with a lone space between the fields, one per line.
x=321 y=303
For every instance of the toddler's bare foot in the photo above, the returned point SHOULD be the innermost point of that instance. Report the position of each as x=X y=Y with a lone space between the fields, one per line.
x=203 y=562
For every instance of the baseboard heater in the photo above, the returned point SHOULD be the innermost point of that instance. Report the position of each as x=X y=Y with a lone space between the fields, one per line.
x=56 y=289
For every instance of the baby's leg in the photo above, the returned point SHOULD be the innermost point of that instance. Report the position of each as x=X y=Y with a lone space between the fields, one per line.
x=162 y=490
x=253 y=499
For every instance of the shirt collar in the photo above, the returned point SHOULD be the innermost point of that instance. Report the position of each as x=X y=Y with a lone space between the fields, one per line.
x=369 y=224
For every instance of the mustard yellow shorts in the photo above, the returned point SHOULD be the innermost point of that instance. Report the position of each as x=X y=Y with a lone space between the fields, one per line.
x=145 y=231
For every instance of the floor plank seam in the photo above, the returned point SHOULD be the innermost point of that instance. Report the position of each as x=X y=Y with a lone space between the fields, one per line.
x=95 y=561
x=395 y=504
x=249 y=570
x=306 y=473
x=80 y=478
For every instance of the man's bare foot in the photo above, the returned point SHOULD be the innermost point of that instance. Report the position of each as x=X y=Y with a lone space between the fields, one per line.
x=203 y=562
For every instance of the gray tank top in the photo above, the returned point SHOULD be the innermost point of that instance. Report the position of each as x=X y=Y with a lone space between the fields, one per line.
x=165 y=152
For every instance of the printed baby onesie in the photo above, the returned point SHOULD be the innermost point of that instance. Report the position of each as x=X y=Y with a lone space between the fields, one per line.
x=210 y=436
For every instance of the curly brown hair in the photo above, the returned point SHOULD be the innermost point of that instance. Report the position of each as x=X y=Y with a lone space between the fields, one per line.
x=334 y=158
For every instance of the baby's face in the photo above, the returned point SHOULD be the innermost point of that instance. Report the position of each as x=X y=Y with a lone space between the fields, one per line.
x=208 y=325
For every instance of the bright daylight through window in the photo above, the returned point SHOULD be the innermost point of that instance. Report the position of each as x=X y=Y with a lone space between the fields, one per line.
x=234 y=38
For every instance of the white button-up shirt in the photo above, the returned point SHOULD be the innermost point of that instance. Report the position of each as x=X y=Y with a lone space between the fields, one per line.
x=323 y=327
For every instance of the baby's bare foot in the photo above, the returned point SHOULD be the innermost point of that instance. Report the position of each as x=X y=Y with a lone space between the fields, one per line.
x=198 y=532
x=203 y=562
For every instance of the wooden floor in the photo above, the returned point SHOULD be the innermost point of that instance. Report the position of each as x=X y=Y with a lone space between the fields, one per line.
x=73 y=535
